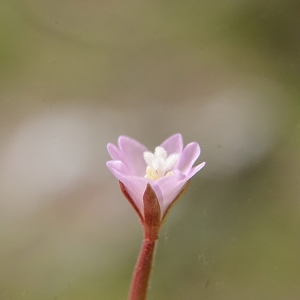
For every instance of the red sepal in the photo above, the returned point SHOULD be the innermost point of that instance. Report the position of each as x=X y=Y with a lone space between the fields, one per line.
x=152 y=214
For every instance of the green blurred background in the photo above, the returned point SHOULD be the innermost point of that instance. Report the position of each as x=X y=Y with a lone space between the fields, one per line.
x=74 y=75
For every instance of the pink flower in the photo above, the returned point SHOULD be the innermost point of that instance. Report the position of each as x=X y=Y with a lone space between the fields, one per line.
x=167 y=170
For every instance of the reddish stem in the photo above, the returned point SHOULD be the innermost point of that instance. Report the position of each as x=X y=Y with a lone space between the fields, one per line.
x=142 y=271
x=151 y=222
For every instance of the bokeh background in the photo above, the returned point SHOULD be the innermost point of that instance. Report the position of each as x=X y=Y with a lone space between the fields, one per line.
x=74 y=75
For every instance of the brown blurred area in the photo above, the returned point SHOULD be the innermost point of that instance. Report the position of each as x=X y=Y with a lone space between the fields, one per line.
x=74 y=75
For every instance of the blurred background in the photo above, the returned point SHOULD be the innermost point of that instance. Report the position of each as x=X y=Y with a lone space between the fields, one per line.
x=74 y=75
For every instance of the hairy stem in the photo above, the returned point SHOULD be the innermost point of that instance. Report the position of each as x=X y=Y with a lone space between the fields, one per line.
x=142 y=271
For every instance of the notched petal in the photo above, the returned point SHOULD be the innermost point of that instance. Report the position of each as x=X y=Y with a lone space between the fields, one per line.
x=116 y=165
x=173 y=144
x=132 y=155
x=195 y=170
x=126 y=143
x=114 y=152
x=188 y=156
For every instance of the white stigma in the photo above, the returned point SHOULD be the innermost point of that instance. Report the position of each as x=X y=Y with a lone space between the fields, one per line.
x=159 y=163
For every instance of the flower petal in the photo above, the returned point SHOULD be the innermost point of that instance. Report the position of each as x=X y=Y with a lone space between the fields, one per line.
x=132 y=153
x=135 y=187
x=114 y=152
x=195 y=170
x=173 y=144
x=187 y=158
x=170 y=186
x=118 y=166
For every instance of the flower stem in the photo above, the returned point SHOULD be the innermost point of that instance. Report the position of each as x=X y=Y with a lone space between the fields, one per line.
x=151 y=224
x=142 y=271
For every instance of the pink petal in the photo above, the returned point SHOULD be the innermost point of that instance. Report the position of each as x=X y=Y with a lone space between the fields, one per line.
x=170 y=186
x=118 y=166
x=135 y=187
x=132 y=153
x=173 y=144
x=195 y=170
x=114 y=152
x=187 y=158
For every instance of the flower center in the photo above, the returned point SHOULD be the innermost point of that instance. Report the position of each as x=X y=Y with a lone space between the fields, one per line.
x=159 y=163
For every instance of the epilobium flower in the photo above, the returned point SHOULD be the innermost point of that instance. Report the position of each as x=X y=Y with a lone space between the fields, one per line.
x=151 y=182
x=167 y=170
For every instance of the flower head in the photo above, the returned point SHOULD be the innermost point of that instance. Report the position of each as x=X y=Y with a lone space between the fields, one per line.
x=167 y=170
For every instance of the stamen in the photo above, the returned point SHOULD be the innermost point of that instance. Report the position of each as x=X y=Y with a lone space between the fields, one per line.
x=160 y=152
x=149 y=157
x=171 y=161
x=159 y=163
